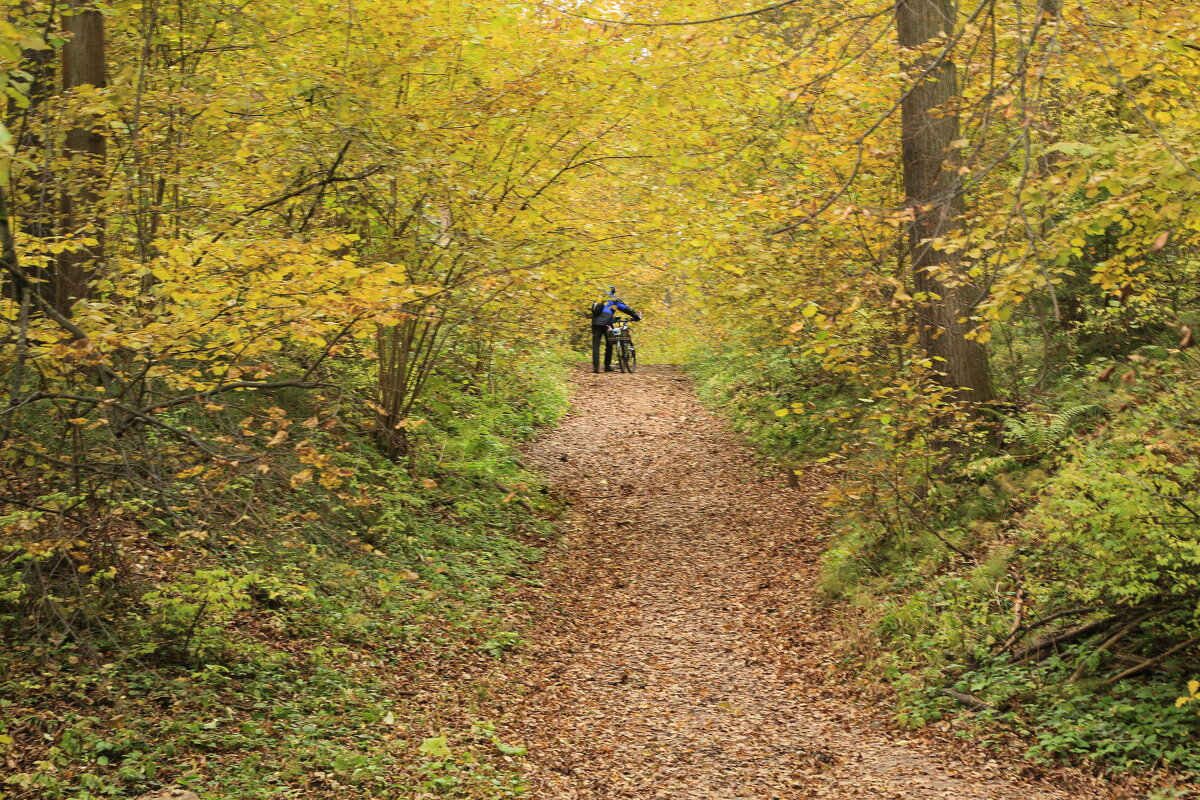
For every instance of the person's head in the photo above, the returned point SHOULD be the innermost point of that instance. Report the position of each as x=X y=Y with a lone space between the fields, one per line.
x=611 y=292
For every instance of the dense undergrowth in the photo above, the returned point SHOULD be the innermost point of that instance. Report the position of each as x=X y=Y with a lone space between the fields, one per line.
x=300 y=637
x=1035 y=577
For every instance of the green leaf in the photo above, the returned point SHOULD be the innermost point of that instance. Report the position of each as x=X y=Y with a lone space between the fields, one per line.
x=435 y=747
x=509 y=749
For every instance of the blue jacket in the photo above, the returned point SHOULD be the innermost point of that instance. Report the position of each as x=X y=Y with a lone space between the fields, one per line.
x=605 y=311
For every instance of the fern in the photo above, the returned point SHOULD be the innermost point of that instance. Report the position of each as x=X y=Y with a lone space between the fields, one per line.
x=1042 y=433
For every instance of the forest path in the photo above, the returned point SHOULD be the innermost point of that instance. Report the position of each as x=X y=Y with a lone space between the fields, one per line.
x=682 y=653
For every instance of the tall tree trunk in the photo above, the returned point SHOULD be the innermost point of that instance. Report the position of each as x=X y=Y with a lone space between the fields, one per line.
x=83 y=65
x=933 y=193
x=35 y=208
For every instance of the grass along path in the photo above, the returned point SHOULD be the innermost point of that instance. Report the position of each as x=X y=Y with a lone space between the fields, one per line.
x=682 y=652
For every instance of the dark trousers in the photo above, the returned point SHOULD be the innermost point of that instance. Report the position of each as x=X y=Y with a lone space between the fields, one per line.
x=598 y=335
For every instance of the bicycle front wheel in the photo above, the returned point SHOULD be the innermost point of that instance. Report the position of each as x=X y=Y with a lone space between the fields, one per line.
x=631 y=357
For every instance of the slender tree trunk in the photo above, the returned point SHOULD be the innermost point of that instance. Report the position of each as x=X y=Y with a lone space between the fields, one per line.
x=83 y=65
x=933 y=193
x=394 y=343
x=38 y=216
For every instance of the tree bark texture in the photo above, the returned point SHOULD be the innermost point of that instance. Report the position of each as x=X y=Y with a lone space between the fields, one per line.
x=83 y=59
x=933 y=195
x=1051 y=7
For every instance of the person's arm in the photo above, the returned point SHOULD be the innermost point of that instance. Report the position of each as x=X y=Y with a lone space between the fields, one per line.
x=627 y=310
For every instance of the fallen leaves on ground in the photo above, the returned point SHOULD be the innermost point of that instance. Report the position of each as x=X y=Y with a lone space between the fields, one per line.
x=683 y=652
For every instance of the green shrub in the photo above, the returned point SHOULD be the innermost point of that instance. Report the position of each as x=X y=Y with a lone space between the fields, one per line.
x=1088 y=498
x=298 y=628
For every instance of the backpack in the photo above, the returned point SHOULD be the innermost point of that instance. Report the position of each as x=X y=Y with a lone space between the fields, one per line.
x=599 y=315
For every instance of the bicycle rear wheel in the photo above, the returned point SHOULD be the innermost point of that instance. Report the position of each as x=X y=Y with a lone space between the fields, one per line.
x=623 y=356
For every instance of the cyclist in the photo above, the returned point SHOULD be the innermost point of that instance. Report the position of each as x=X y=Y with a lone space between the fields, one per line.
x=604 y=311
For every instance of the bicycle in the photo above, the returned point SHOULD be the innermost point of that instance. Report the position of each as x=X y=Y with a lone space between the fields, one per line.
x=620 y=336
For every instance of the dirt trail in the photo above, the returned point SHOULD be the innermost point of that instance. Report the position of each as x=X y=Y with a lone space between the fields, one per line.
x=682 y=655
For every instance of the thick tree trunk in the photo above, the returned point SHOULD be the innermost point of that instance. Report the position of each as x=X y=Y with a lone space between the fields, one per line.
x=83 y=65
x=933 y=193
